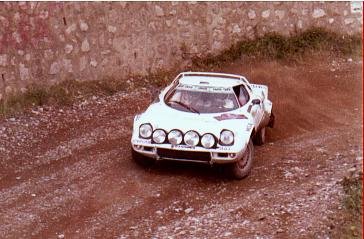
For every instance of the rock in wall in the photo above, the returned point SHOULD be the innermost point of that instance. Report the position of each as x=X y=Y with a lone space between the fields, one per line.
x=45 y=43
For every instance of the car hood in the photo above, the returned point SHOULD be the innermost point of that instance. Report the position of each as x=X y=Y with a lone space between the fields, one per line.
x=164 y=117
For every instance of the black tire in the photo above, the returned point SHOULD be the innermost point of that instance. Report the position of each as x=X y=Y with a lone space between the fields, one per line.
x=271 y=120
x=242 y=167
x=142 y=160
x=259 y=138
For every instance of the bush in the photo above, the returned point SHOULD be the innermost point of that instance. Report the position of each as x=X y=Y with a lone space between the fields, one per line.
x=275 y=46
x=269 y=46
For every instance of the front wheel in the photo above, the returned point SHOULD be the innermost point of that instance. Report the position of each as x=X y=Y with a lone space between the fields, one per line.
x=242 y=167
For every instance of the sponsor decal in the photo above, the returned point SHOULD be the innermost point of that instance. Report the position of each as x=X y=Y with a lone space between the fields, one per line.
x=182 y=147
x=257 y=86
x=230 y=116
x=142 y=141
x=204 y=88
x=220 y=148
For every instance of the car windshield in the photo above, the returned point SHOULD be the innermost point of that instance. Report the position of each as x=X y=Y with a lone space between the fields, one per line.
x=202 y=99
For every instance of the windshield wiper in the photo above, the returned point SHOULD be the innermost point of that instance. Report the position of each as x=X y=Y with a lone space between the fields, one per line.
x=190 y=108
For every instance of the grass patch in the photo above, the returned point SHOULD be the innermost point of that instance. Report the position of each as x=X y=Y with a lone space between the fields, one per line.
x=64 y=93
x=353 y=189
x=269 y=46
x=275 y=46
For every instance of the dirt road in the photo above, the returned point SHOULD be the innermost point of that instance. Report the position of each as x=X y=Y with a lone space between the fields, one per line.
x=66 y=172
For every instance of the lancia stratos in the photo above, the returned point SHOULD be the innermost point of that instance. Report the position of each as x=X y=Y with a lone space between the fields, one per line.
x=201 y=117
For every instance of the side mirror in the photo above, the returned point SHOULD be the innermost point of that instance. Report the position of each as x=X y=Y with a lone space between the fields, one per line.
x=156 y=99
x=256 y=102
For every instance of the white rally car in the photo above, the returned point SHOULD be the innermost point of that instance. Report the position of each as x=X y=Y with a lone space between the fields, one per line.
x=204 y=117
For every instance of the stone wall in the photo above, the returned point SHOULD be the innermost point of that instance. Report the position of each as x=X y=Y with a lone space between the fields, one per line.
x=49 y=42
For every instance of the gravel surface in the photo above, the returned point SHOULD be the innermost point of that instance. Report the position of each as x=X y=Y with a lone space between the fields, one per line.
x=66 y=171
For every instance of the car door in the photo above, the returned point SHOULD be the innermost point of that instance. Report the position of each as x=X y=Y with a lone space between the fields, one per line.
x=257 y=111
x=255 y=108
x=246 y=97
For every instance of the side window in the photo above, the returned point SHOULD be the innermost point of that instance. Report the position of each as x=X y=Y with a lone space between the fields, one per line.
x=242 y=94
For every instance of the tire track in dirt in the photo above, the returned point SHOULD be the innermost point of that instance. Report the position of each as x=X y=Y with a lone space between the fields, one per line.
x=277 y=199
x=86 y=186
x=53 y=126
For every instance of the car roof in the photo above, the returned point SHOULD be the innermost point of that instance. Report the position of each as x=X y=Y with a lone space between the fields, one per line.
x=210 y=80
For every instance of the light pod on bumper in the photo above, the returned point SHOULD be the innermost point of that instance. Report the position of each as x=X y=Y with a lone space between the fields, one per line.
x=159 y=136
x=191 y=138
x=207 y=141
x=145 y=131
x=226 y=137
x=175 y=137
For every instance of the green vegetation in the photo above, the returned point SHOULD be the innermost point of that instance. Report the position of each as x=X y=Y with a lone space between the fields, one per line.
x=353 y=189
x=63 y=93
x=275 y=46
x=269 y=46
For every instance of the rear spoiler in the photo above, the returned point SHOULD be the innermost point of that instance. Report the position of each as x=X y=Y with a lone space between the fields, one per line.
x=212 y=74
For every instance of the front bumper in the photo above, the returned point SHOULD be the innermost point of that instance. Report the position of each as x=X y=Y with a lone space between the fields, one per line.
x=187 y=154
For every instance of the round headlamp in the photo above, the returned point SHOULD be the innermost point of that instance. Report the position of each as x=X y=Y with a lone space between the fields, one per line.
x=191 y=138
x=226 y=137
x=208 y=140
x=159 y=136
x=145 y=131
x=175 y=137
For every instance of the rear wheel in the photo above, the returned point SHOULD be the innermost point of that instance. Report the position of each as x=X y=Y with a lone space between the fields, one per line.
x=242 y=167
x=259 y=138
x=142 y=160
x=271 y=120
